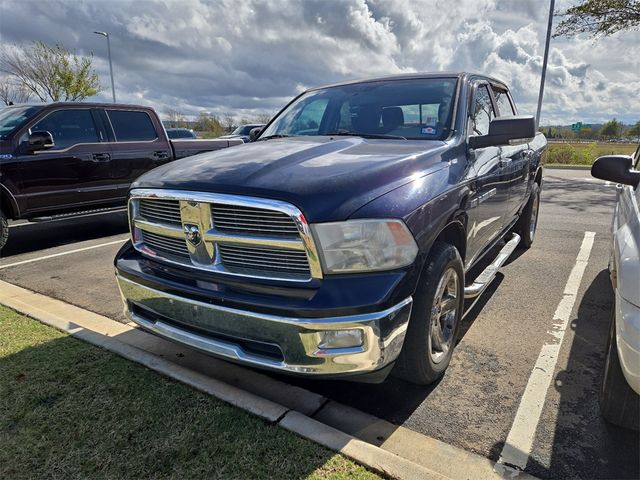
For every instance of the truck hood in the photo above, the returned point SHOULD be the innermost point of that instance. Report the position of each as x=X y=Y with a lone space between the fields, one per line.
x=328 y=178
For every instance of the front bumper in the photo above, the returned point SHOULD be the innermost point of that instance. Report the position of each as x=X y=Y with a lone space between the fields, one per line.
x=269 y=341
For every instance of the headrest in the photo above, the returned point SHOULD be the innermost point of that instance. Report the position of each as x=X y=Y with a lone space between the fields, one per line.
x=392 y=118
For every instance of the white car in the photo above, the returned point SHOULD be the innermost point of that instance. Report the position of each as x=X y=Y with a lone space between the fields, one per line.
x=620 y=393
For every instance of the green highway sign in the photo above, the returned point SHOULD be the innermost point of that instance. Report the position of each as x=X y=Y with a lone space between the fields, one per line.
x=581 y=127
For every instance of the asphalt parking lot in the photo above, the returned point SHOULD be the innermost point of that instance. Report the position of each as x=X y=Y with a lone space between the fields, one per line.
x=475 y=404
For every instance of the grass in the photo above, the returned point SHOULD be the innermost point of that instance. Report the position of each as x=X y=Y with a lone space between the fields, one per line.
x=71 y=410
x=584 y=153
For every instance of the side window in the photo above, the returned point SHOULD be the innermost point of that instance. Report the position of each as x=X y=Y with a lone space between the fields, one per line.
x=69 y=127
x=482 y=112
x=131 y=126
x=504 y=104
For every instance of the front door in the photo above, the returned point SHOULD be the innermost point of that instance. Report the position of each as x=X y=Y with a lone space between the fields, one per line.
x=488 y=204
x=75 y=172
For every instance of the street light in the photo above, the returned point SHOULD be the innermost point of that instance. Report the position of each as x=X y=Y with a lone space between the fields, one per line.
x=544 y=62
x=113 y=88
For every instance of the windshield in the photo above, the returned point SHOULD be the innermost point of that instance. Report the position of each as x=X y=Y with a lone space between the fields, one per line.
x=12 y=117
x=419 y=109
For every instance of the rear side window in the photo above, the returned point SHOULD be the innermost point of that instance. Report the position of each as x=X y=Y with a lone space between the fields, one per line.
x=69 y=127
x=131 y=126
x=504 y=105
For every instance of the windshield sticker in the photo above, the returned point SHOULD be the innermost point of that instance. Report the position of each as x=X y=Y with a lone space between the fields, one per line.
x=428 y=130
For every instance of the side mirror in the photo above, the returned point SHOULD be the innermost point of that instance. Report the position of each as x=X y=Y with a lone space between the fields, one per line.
x=616 y=168
x=42 y=140
x=505 y=131
x=255 y=133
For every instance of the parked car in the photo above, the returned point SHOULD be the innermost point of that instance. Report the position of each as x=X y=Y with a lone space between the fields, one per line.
x=243 y=132
x=65 y=159
x=620 y=392
x=337 y=245
x=174 y=133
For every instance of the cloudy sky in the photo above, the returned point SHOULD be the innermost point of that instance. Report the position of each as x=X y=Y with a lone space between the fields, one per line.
x=250 y=56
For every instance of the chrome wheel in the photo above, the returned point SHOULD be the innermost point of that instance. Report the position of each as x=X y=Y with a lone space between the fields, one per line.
x=533 y=222
x=444 y=316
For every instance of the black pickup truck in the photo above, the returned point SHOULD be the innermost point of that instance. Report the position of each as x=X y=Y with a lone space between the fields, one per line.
x=64 y=159
x=339 y=243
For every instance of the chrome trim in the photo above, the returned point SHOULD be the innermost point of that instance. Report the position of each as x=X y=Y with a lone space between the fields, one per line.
x=195 y=209
x=297 y=338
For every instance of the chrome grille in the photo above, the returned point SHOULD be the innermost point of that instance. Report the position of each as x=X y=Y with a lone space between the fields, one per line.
x=162 y=244
x=242 y=258
x=160 y=211
x=250 y=220
x=228 y=234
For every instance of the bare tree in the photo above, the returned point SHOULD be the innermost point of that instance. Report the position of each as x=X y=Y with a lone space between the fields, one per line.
x=264 y=118
x=12 y=92
x=228 y=122
x=175 y=118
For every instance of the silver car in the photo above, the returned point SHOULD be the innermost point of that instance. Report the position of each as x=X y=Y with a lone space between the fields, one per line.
x=620 y=393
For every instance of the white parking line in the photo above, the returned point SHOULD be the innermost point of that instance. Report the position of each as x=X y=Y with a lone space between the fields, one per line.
x=62 y=253
x=517 y=447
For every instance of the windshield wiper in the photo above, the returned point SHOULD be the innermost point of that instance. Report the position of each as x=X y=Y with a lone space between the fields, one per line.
x=269 y=137
x=349 y=133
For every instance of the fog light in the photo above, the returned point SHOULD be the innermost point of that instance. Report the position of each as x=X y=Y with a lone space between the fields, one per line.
x=340 y=339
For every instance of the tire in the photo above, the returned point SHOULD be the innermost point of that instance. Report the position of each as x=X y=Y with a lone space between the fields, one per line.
x=4 y=229
x=528 y=221
x=619 y=404
x=435 y=318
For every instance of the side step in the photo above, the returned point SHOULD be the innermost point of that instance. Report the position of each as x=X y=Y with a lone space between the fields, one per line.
x=486 y=277
x=83 y=213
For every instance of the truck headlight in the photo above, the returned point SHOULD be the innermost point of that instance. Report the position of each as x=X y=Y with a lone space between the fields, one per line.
x=364 y=245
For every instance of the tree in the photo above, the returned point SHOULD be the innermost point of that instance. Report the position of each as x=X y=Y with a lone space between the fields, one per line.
x=209 y=123
x=634 y=131
x=229 y=122
x=599 y=18
x=12 y=92
x=611 y=129
x=175 y=119
x=50 y=73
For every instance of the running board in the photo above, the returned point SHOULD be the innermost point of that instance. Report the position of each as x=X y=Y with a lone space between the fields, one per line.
x=83 y=213
x=486 y=277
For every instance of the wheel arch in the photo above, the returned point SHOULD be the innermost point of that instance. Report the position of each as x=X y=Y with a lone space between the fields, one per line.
x=8 y=203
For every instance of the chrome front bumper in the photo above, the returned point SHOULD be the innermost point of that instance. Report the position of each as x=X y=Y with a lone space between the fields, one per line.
x=231 y=333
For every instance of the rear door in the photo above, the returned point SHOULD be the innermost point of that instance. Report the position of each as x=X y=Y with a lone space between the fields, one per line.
x=75 y=172
x=515 y=159
x=488 y=204
x=138 y=144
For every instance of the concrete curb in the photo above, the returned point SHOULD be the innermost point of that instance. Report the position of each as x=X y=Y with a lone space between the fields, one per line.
x=391 y=450
x=568 y=167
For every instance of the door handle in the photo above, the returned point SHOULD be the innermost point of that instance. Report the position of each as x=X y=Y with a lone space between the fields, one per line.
x=101 y=157
x=161 y=155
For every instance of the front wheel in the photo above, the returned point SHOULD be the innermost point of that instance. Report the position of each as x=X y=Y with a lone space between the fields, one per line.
x=528 y=222
x=4 y=229
x=435 y=318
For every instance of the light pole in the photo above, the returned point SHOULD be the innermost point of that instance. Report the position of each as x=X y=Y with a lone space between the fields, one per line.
x=113 y=88
x=544 y=62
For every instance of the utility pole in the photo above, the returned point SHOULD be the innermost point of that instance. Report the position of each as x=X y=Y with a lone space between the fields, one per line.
x=544 y=61
x=113 y=88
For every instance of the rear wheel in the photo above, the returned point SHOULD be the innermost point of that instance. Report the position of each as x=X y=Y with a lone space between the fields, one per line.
x=4 y=229
x=528 y=221
x=619 y=404
x=435 y=318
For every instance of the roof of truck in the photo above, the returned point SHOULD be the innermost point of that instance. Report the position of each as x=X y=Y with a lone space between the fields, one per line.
x=412 y=76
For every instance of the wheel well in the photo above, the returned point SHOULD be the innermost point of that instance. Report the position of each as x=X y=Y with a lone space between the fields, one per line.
x=454 y=234
x=6 y=205
x=538 y=178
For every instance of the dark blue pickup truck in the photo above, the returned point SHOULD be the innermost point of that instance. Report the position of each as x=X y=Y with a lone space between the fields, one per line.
x=339 y=243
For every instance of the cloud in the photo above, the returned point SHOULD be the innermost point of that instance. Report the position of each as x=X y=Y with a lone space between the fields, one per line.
x=253 y=56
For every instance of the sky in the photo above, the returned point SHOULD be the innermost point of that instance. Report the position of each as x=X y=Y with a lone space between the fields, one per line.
x=246 y=57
